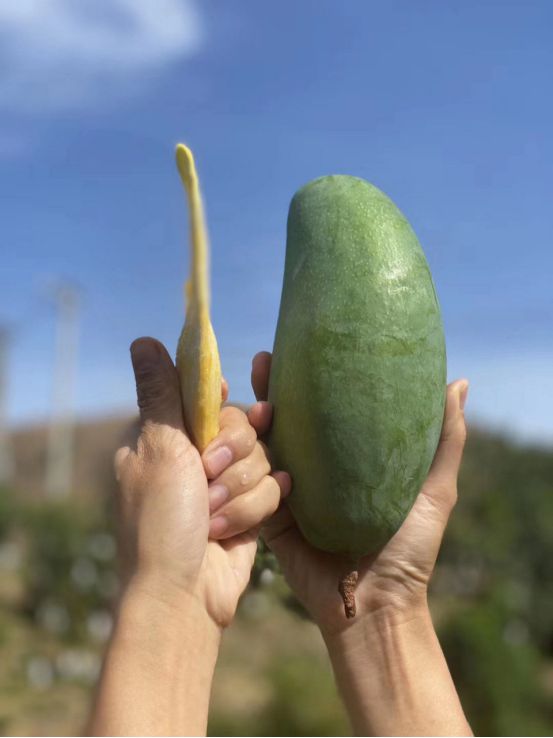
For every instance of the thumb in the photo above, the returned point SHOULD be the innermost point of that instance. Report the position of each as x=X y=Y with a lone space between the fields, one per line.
x=445 y=467
x=157 y=384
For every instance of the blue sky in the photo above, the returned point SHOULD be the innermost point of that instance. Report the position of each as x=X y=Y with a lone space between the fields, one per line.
x=447 y=107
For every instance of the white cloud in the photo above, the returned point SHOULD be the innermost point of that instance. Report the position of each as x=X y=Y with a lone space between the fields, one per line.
x=57 y=55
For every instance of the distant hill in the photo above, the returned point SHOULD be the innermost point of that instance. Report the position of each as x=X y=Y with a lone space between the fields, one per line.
x=95 y=443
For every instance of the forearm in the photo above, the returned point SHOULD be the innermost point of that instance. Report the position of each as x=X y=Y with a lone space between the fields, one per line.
x=394 y=679
x=158 y=670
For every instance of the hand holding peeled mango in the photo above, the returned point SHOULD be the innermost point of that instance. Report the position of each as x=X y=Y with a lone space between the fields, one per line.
x=358 y=375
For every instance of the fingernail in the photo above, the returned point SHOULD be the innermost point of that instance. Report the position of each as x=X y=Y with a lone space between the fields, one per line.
x=144 y=353
x=218 y=494
x=463 y=395
x=218 y=460
x=218 y=526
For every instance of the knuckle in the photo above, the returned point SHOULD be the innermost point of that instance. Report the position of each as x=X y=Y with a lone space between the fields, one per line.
x=246 y=474
x=231 y=415
x=273 y=494
x=148 y=442
x=163 y=444
x=172 y=443
x=265 y=468
x=238 y=516
x=243 y=439
x=187 y=453
x=435 y=497
x=260 y=458
x=121 y=462
x=250 y=439
x=264 y=451
x=444 y=496
x=462 y=430
x=243 y=477
x=128 y=474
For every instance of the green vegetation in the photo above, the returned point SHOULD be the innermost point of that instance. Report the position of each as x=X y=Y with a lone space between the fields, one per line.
x=496 y=574
x=492 y=598
x=497 y=670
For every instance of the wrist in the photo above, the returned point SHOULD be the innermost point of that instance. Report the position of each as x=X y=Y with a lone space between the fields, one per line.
x=158 y=669
x=372 y=643
x=393 y=677
x=166 y=622
x=367 y=637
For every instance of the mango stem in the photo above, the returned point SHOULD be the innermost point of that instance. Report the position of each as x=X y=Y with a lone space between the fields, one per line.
x=346 y=588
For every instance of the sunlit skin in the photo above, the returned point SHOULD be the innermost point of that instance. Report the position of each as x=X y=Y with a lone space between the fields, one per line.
x=215 y=572
x=391 y=592
x=186 y=565
x=181 y=587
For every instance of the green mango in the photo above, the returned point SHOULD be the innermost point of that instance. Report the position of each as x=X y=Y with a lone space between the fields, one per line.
x=358 y=376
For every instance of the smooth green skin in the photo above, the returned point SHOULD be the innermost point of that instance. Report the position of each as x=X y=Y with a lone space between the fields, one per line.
x=358 y=375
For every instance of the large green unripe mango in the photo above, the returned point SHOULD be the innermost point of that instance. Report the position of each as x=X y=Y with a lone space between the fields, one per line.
x=358 y=376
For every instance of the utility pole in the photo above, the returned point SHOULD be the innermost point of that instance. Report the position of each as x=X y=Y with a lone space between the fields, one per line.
x=60 y=451
x=6 y=453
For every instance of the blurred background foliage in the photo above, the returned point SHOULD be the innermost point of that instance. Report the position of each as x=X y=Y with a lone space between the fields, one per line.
x=492 y=600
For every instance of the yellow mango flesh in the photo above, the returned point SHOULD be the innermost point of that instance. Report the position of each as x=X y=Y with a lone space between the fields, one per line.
x=198 y=362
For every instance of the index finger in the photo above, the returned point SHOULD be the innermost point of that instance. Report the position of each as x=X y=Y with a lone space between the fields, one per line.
x=236 y=440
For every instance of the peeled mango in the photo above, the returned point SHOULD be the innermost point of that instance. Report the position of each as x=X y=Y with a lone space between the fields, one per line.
x=198 y=362
x=358 y=376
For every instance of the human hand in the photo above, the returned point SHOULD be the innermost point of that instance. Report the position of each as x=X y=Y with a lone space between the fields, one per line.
x=189 y=523
x=394 y=580
x=181 y=586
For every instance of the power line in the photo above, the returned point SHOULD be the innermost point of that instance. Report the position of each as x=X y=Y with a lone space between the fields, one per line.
x=60 y=451
x=6 y=450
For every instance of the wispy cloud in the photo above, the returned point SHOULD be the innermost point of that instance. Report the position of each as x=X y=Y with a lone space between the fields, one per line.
x=57 y=55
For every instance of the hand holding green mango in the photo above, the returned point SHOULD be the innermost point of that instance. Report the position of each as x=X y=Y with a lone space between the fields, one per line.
x=388 y=663
x=393 y=580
